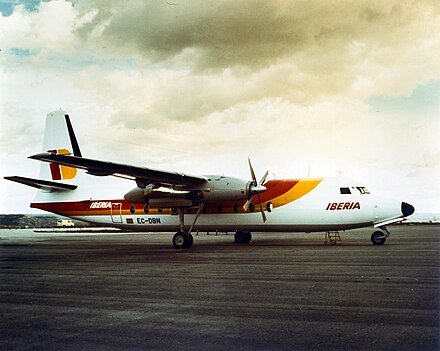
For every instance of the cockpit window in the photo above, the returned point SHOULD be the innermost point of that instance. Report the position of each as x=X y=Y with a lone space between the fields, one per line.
x=363 y=190
x=345 y=191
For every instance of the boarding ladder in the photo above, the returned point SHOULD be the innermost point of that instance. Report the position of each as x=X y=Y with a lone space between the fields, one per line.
x=332 y=238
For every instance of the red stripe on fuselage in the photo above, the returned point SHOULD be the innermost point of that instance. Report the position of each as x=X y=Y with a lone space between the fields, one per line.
x=275 y=188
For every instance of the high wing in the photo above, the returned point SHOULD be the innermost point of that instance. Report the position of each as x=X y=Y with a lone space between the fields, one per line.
x=142 y=175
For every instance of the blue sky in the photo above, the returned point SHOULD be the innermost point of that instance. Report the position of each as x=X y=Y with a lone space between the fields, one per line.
x=6 y=7
x=423 y=100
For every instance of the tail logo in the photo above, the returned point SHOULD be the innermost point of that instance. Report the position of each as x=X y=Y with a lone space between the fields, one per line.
x=60 y=172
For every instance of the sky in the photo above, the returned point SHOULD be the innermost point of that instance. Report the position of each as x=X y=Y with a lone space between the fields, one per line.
x=319 y=88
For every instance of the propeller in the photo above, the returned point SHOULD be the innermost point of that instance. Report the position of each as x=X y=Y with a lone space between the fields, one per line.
x=256 y=188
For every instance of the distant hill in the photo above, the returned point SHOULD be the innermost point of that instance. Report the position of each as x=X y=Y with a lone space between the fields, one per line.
x=33 y=221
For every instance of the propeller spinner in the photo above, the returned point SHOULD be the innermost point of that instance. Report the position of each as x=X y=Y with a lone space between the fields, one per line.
x=256 y=188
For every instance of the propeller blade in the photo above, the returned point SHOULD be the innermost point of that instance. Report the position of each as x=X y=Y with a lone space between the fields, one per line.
x=246 y=205
x=262 y=209
x=254 y=178
x=256 y=189
x=263 y=178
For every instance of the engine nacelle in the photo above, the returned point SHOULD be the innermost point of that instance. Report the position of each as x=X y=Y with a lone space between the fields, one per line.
x=136 y=196
x=223 y=188
x=216 y=189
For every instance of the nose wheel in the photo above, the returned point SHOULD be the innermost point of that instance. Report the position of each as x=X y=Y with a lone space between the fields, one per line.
x=378 y=238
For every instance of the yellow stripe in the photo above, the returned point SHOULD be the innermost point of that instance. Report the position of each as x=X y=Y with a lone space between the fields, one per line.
x=66 y=171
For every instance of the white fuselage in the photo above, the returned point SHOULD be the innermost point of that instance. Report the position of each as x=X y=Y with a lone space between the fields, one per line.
x=328 y=206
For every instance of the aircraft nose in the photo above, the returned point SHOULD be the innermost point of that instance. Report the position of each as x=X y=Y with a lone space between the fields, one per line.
x=407 y=209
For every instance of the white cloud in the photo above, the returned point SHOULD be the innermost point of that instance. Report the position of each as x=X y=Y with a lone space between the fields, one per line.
x=51 y=28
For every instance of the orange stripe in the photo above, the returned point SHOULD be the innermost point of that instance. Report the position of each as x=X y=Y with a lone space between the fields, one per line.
x=303 y=187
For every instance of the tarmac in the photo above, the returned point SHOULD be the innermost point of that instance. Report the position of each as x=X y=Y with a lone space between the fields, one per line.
x=85 y=291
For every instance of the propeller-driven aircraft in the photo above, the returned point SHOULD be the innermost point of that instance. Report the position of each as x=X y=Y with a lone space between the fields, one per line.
x=163 y=201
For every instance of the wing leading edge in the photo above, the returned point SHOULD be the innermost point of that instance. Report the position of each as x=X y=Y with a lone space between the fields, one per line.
x=104 y=168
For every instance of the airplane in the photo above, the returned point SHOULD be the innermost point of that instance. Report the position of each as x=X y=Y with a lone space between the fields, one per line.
x=164 y=201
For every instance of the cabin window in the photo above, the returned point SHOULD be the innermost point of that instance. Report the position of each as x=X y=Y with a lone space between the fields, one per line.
x=159 y=209
x=363 y=190
x=252 y=207
x=219 y=208
x=269 y=207
x=146 y=209
x=132 y=209
x=235 y=208
x=345 y=191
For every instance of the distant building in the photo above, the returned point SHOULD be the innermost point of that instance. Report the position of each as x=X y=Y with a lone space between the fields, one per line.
x=65 y=223
x=424 y=218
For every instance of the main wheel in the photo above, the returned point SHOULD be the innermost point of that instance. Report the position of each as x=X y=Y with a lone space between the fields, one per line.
x=182 y=240
x=378 y=238
x=189 y=242
x=242 y=237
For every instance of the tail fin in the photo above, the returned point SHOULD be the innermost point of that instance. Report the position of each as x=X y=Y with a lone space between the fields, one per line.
x=59 y=138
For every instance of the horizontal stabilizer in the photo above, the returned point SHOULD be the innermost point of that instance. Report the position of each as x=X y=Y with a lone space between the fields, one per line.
x=42 y=184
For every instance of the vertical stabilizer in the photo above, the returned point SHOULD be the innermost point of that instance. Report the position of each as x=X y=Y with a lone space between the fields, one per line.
x=59 y=138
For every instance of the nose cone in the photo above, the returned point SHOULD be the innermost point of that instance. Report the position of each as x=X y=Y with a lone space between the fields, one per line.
x=407 y=209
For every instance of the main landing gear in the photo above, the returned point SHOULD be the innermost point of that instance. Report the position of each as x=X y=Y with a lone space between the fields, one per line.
x=183 y=239
x=242 y=237
x=380 y=236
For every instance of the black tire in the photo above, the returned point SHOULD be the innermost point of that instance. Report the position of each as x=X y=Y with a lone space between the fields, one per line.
x=242 y=237
x=378 y=238
x=180 y=240
x=189 y=242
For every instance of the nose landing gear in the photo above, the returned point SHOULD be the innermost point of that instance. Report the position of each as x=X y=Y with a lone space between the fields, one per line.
x=379 y=237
